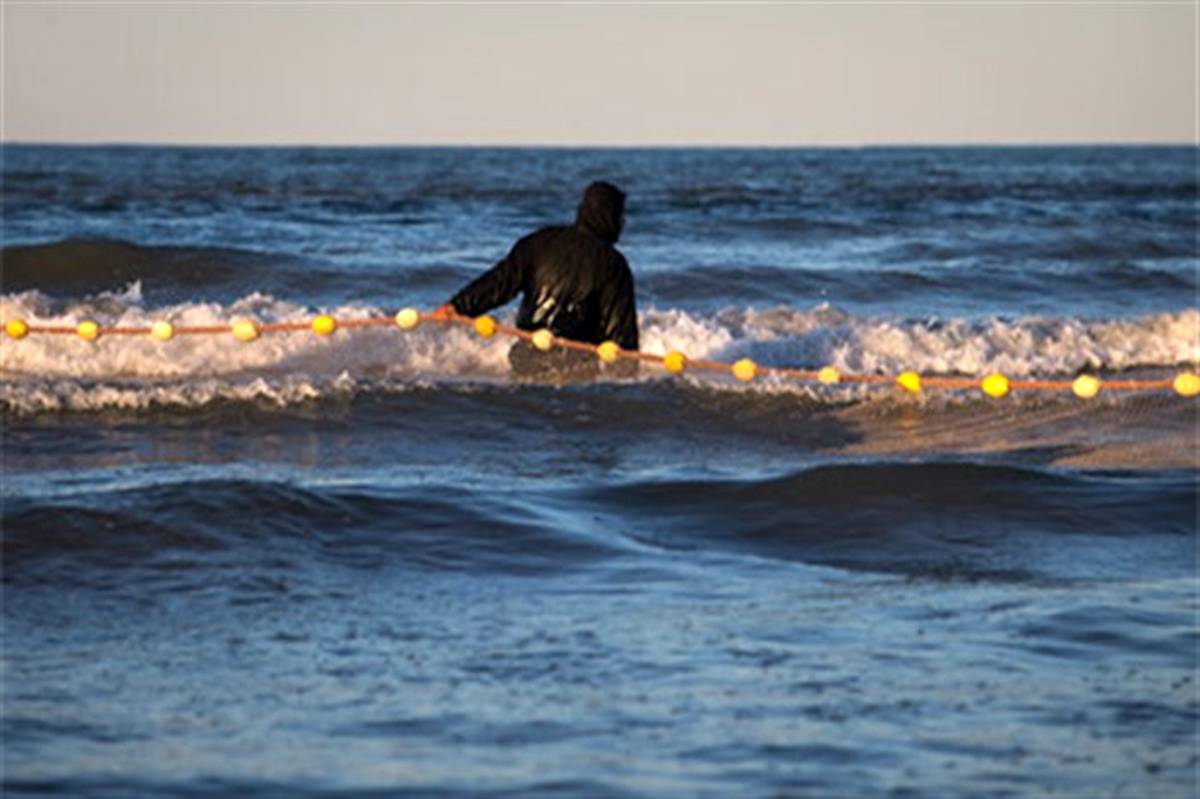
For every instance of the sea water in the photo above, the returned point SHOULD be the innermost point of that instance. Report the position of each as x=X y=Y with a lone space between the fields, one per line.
x=374 y=565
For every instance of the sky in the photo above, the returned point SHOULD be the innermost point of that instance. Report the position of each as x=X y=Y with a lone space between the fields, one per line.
x=799 y=74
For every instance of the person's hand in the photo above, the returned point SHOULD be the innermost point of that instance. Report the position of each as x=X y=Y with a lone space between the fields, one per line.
x=443 y=313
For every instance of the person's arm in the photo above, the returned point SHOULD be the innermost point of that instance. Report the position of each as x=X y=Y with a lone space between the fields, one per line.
x=494 y=287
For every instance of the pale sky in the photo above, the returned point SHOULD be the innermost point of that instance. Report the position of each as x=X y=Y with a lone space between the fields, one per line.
x=599 y=74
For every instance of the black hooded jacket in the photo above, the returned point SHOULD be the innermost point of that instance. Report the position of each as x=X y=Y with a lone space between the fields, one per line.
x=573 y=279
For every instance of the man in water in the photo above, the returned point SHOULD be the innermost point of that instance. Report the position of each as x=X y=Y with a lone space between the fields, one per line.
x=574 y=282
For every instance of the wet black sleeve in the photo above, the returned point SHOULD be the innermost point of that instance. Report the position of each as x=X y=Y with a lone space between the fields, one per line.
x=496 y=286
x=619 y=310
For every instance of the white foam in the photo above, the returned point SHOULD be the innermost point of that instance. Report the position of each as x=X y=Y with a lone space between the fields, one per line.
x=373 y=352
x=63 y=373
x=1022 y=347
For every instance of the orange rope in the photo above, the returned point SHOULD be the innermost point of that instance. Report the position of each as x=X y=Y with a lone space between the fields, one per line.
x=1186 y=383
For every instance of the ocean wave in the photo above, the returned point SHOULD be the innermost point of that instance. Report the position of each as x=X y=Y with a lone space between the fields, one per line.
x=964 y=519
x=64 y=373
x=946 y=519
x=182 y=532
x=72 y=269
x=83 y=265
x=1021 y=347
x=933 y=273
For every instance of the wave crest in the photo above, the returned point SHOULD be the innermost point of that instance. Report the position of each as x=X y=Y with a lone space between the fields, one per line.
x=63 y=373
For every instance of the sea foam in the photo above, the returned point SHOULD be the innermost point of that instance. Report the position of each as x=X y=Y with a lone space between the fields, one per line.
x=55 y=373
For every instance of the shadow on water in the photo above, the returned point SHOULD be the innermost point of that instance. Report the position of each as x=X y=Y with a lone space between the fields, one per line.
x=955 y=520
x=538 y=431
x=197 y=534
x=74 y=268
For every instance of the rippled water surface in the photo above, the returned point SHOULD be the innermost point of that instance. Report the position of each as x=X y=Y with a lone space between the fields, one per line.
x=373 y=565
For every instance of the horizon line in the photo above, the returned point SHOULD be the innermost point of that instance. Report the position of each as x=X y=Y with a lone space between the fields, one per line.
x=255 y=145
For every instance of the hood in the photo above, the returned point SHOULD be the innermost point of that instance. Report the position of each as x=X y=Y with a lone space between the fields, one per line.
x=602 y=211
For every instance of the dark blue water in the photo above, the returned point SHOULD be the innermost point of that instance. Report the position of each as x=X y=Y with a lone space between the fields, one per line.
x=375 y=566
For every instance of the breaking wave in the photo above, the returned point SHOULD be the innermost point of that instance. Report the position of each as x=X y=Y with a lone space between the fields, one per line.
x=63 y=373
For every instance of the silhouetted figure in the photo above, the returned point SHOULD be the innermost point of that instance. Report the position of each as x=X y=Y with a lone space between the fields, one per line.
x=573 y=281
